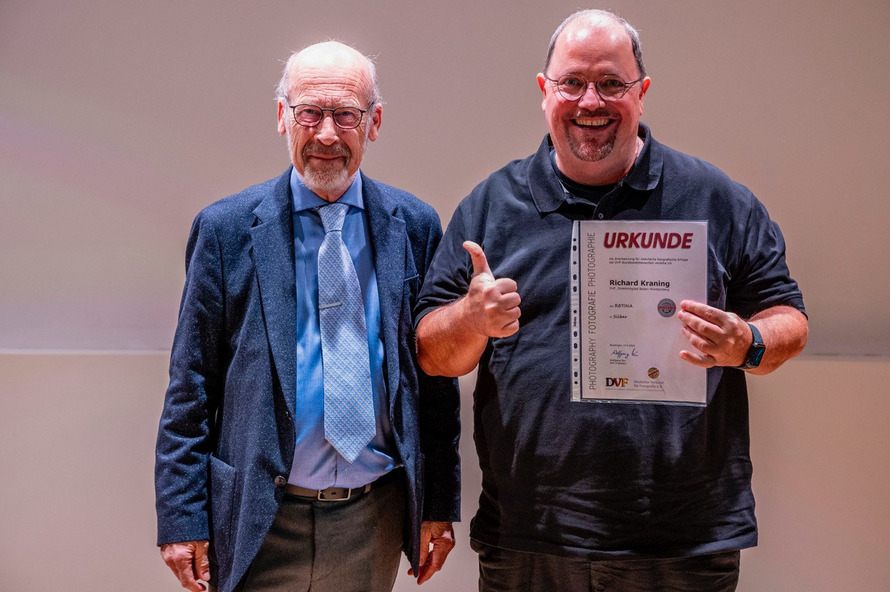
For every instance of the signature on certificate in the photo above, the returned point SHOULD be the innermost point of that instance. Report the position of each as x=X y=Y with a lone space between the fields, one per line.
x=623 y=354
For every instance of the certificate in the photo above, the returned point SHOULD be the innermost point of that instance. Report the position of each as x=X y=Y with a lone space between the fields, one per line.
x=628 y=279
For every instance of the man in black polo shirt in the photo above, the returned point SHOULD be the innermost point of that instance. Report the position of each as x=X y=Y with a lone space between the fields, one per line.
x=604 y=496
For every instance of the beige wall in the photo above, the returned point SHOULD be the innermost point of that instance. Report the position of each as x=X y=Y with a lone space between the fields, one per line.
x=120 y=119
x=76 y=459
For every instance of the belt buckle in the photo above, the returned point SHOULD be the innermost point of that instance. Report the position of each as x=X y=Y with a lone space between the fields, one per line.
x=333 y=498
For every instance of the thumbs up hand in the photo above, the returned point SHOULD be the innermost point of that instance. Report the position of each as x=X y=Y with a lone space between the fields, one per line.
x=492 y=304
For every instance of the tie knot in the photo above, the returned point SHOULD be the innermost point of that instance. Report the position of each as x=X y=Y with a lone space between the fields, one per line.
x=332 y=216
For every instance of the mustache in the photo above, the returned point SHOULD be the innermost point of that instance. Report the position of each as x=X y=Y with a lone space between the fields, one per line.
x=598 y=112
x=319 y=149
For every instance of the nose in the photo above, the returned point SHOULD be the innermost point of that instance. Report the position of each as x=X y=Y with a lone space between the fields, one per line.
x=591 y=96
x=326 y=130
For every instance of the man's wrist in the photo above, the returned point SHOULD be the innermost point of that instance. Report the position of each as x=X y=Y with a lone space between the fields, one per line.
x=755 y=352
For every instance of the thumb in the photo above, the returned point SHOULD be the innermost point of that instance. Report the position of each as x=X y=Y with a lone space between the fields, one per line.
x=480 y=263
x=202 y=561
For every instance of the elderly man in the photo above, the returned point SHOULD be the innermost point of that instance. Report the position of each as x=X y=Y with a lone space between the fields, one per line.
x=604 y=496
x=300 y=447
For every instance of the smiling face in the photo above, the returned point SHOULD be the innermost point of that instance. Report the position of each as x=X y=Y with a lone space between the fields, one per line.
x=595 y=140
x=328 y=75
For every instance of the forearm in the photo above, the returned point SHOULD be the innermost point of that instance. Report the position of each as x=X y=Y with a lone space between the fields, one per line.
x=784 y=330
x=448 y=343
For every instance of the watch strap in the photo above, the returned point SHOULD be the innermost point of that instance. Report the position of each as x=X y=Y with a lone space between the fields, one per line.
x=755 y=352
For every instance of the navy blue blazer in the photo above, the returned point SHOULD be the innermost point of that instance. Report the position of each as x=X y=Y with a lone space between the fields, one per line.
x=226 y=438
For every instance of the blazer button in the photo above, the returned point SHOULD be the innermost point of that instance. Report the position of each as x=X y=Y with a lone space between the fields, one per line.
x=280 y=481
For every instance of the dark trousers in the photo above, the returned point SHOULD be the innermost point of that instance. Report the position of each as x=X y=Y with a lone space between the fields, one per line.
x=503 y=570
x=337 y=546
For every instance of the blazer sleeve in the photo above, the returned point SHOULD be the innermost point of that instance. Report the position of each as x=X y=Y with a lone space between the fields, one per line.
x=439 y=417
x=185 y=436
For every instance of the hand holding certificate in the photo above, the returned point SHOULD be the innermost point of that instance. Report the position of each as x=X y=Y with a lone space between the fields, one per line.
x=627 y=281
x=721 y=338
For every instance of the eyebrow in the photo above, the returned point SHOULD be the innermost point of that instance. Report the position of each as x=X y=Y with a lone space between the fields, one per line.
x=579 y=73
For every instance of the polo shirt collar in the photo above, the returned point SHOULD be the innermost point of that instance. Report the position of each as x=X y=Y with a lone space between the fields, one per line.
x=646 y=171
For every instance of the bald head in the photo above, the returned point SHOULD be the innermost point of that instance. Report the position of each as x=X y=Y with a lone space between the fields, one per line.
x=329 y=59
x=589 y=21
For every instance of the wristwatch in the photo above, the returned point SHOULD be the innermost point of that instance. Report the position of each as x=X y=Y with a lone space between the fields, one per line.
x=755 y=352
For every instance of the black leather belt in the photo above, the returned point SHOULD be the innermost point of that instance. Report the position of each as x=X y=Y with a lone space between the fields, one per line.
x=339 y=494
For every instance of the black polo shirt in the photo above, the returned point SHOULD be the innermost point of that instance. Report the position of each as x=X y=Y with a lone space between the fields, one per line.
x=599 y=479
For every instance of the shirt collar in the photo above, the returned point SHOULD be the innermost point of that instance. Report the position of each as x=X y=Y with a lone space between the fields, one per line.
x=646 y=171
x=306 y=199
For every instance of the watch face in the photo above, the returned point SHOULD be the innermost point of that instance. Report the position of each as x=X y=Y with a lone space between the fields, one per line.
x=755 y=355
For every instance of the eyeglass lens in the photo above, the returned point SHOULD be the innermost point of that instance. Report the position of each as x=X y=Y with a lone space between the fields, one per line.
x=311 y=115
x=573 y=87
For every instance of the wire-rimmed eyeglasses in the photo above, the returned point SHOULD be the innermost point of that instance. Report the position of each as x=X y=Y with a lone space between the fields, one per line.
x=309 y=115
x=610 y=88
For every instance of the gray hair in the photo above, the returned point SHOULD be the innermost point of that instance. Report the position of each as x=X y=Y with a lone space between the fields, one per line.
x=631 y=32
x=281 y=89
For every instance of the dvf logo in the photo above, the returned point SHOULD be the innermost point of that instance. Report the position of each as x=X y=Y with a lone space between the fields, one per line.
x=619 y=382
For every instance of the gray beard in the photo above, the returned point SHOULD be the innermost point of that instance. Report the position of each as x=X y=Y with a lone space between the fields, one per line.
x=590 y=151
x=328 y=180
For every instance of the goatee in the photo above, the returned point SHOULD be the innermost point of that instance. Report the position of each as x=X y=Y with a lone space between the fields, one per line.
x=326 y=177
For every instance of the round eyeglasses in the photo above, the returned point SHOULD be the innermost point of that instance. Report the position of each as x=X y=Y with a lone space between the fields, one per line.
x=572 y=87
x=344 y=117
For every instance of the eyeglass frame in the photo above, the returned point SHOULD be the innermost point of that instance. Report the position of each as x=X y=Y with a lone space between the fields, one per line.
x=595 y=83
x=361 y=117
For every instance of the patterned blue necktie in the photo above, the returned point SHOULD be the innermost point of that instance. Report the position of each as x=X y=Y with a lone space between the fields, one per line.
x=348 y=405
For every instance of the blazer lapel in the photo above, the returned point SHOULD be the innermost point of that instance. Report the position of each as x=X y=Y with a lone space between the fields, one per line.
x=389 y=238
x=273 y=257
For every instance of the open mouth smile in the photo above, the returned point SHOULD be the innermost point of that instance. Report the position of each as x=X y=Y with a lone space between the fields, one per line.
x=592 y=122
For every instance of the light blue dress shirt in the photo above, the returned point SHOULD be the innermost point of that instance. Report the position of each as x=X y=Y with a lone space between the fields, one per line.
x=317 y=464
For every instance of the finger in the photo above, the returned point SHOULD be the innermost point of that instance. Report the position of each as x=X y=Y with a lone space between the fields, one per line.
x=426 y=572
x=186 y=573
x=442 y=542
x=697 y=340
x=717 y=319
x=699 y=309
x=709 y=333
x=506 y=304
x=477 y=255
x=180 y=559
x=202 y=561
x=696 y=359
x=506 y=286
x=428 y=569
x=441 y=548
x=696 y=321
x=424 y=554
x=506 y=324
